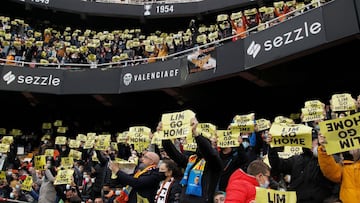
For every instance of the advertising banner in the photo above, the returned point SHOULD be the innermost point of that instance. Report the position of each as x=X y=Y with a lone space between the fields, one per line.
x=297 y=34
x=31 y=80
x=152 y=76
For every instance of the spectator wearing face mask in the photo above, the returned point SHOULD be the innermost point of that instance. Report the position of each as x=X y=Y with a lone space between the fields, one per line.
x=169 y=189
x=345 y=173
x=306 y=177
x=242 y=186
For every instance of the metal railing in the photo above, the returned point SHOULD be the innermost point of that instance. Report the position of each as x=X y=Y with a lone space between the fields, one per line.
x=131 y=62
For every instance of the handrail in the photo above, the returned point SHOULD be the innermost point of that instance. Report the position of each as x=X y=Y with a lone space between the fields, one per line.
x=71 y=66
x=144 y=2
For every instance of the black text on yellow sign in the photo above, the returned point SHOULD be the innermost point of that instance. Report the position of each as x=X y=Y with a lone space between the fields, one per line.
x=341 y=134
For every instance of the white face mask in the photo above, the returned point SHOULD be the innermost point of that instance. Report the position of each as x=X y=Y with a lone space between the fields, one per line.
x=12 y=196
x=93 y=180
x=265 y=185
x=117 y=192
x=68 y=187
x=245 y=144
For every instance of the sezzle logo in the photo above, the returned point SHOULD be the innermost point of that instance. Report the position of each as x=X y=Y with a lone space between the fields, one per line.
x=253 y=49
x=49 y=80
x=9 y=77
x=287 y=38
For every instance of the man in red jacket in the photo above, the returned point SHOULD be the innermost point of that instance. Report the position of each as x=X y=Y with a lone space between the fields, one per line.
x=241 y=186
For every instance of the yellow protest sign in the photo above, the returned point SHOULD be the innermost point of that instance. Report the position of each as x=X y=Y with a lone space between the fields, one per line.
x=177 y=125
x=46 y=126
x=64 y=177
x=274 y=196
x=81 y=137
x=312 y=114
x=49 y=152
x=27 y=184
x=2 y=131
x=125 y=166
x=7 y=140
x=140 y=137
x=207 y=129
x=4 y=148
x=40 y=162
x=290 y=151
x=91 y=136
x=89 y=144
x=122 y=137
x=342 y=102
x=103 y=142
x=67 y=162
x=61 y=129
x=291 y=135
x=74 y=143
x=245 y=123
x=227 y=139
x=114 y=146
x=314 y=104
x=262 y=124
x=75 y=154
x=2 y=175
x=15 y=132
x=342 y=134
x=156 y=139
x=283 y=119
x=60 y=140
x=189 y=144
x=58 y=123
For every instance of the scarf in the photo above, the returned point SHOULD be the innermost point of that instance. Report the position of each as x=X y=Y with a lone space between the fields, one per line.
x=124 y=194
x=163 y=192
x=193 y=176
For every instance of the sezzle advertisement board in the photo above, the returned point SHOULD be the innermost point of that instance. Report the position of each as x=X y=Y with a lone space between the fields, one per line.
x=34 y=80
x=290 y=37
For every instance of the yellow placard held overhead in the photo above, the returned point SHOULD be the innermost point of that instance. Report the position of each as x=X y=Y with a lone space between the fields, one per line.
x=74 y=143
x=67 y=162
x=227 y=139
x=262 y=124
x=283 y=119
x=206 y=129
x=75 y=154
x=64 y=177
x=122 y=137
x=60 y=140
x=190 y=144
x=156 y=139
x=139 y=136
x=177 y=125
x=342 y=102
x=290 y=151
x=103 y=142
x=342 y=134
x=4 y=148
x=27 y=184
x=40 y=162
x=7 y=140
x=245 y=123
x=274 y=196
x=49 y=152
x=291 y=135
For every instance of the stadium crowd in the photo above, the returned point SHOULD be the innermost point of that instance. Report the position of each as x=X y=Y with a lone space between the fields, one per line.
x=83 y=168
x=24 y=44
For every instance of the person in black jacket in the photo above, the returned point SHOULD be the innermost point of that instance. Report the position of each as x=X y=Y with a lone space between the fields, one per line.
x=206 y=157
x=306 y=177
x=142 y=186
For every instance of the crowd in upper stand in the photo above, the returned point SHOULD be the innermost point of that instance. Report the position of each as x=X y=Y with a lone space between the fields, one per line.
x=19 y=42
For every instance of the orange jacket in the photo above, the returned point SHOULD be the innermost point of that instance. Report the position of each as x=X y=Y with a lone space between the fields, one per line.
x=347 y=174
